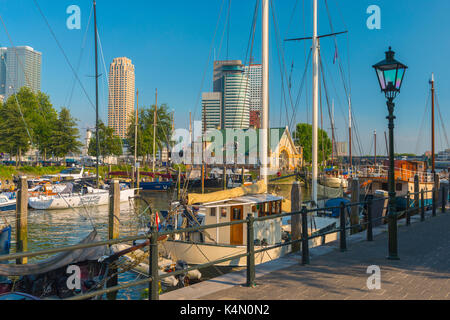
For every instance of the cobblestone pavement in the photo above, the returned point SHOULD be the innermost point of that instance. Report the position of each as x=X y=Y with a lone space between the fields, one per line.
x=423 y=271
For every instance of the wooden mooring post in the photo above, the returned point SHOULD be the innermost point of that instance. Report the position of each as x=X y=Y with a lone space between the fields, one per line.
x=113 y=229
x=296 y=219
x=22 y=219
x=224 y=177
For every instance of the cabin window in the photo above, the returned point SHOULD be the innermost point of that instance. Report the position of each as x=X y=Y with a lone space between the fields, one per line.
x=236 y=214
x=212 y=212
x=278 y=207
x=223 y=213
x=398 y=187
x=266 y=209
x=260 y=210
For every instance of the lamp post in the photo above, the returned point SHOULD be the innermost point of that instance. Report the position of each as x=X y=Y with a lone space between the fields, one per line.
x=390 y=74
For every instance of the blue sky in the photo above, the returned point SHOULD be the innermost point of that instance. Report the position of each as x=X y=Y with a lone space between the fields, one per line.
x=169 y=43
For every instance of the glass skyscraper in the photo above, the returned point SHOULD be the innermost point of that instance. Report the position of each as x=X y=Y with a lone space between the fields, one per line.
x=19 y=67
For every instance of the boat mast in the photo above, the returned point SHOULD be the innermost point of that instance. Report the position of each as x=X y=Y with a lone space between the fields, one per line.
x=332 y=133
x=136 y=128
x=154 y=131
x=432 y=126
x=375 y=145
x=96 y=94
x=350 y=165
x=265 y=90
x=315 y=122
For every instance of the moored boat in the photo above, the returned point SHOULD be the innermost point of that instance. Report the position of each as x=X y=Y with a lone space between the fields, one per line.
x=66 y=199
x=7 y=202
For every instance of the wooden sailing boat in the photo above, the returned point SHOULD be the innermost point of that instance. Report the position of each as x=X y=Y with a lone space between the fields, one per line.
x=234 y=204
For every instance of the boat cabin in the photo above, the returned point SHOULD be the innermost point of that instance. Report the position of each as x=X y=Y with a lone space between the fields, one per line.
x=266 y=232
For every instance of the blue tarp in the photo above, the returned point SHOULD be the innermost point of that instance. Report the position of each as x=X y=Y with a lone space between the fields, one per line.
x=5 y=245
x=336 y=202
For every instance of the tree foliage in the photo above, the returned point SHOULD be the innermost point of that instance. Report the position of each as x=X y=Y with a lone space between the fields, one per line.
x=29 y=120
x=66 y=134
x=304 y=139
x=145 y=130
x=109 y=144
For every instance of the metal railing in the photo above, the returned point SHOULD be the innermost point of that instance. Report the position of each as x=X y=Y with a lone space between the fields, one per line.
x=154 y=235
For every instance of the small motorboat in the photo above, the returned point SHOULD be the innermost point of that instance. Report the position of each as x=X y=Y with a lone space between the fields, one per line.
x=7 y=202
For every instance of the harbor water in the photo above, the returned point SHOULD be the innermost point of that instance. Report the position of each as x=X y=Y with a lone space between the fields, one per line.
x=56 y=228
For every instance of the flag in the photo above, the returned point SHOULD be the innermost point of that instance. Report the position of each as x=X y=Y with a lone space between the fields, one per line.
x=157 y=220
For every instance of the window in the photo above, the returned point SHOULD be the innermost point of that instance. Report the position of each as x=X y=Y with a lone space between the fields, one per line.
x=223 y=213
x=212 y=212
x=398 y=187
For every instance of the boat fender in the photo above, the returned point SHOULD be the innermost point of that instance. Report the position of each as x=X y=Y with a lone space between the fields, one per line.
x=194 y=275
x=170 y=281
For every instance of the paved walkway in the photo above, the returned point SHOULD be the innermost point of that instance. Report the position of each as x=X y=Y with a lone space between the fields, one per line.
x=423 y=271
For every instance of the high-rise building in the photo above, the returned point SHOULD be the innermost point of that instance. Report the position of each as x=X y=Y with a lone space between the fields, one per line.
x=121 y=95
x=19 y=67
x=212 y=109
x=232 y=83
x=236 y=99
x=254 y=73
x=255 y=119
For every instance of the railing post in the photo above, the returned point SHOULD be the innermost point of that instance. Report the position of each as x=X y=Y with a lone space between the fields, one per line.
x=416 y=194
x=433 y=199
x=343 y=239
x=305 y=244
x=408 y=205
x=422 y=209
x=296 y=224
x=153 y=263
x=250 y=251
x=369 y=219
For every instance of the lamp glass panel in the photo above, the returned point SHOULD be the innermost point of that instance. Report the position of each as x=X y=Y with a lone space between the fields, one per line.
x=398 y=84
x=389 y=76
x=381 y=78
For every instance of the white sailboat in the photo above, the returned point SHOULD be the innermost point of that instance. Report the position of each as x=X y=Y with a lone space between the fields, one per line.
x=67 y=199
x=87 y=196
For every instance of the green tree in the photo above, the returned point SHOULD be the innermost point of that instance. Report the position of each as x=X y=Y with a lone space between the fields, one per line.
x=145 y=131
x=304 y=139
x=44 y=124
x=16 y=129
x=66 y=135
x=109 y=144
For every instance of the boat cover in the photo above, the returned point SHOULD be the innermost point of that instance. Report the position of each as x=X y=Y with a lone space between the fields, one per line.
x=257 y=188
x=58 y=261
x=336 y=202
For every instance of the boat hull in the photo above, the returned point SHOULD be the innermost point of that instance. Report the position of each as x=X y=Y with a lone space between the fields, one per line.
x=200 y=253
x=76 y=201
x=8 y=207
x=333 y=182
x=156 y=186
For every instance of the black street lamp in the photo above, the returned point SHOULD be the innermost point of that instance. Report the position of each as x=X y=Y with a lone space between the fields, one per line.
x=390 y=74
